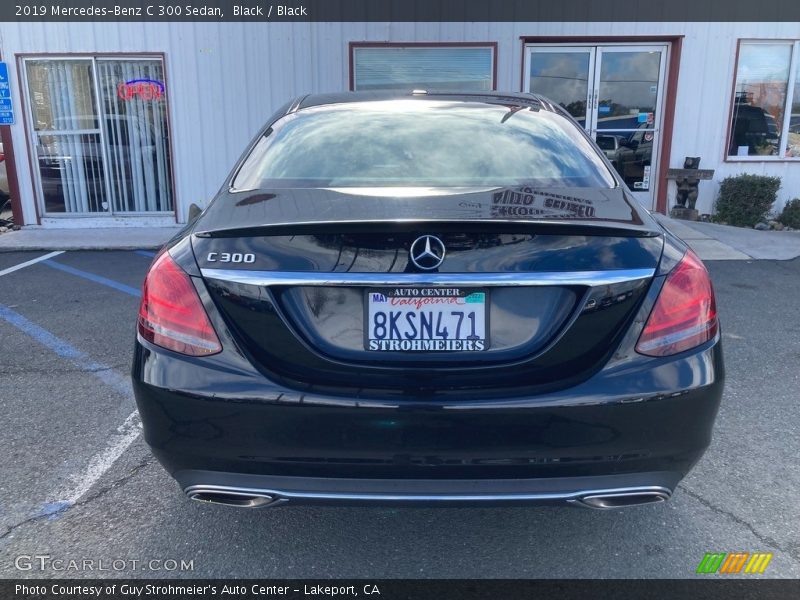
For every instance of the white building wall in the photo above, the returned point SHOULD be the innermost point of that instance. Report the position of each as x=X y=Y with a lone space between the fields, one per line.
x=225 y=79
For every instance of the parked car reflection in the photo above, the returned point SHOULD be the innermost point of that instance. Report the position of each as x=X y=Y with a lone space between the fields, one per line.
x=634 y=158
x=754 y=129
x=630 y=153
x=609 y=144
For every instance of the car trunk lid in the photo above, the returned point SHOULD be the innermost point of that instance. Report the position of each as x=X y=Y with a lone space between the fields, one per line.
x=294 y=280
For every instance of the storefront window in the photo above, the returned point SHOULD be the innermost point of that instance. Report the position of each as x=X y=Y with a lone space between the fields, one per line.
x=439 y=67
x=135 y=119
x=100 y=135
x=761 y=125
x=64 y=113
x=793 y=135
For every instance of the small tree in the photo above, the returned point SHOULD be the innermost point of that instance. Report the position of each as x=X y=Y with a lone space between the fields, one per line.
x=746 y=199
x=791 y=214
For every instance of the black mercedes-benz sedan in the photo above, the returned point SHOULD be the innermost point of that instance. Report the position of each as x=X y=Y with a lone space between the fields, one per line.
x=441 y=298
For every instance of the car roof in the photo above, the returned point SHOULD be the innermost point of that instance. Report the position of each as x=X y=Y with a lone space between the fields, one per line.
x=504 y=98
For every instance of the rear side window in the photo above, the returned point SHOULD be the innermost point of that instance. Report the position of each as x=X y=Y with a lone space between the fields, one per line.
x=422 y=143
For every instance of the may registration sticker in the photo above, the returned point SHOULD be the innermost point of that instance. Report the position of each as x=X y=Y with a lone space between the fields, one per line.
x=421 y=319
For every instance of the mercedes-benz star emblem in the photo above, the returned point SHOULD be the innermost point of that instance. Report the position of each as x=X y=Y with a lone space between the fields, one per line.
x=427 y=252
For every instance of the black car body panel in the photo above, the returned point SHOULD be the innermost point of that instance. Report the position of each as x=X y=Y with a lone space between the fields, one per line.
x=312 y=336
x=298 y=210
x=295 y=406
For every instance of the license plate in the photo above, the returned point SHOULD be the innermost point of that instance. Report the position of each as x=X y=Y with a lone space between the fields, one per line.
x=426 y=320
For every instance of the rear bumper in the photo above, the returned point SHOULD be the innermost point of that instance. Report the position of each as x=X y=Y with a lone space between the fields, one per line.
x=256 y=491
x=633 y=427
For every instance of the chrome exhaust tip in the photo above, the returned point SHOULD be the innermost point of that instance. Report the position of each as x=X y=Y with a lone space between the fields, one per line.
x=624 y=498
x=217 y=495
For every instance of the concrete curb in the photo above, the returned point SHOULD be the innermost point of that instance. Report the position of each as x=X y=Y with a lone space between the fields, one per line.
x=106 y=238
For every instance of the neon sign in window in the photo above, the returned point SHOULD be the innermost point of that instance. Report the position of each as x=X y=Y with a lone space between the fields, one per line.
x=144 y=89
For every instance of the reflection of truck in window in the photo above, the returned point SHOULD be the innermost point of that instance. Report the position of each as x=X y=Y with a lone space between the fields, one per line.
x=754 y=128
x=634 y=154
x=609 y=144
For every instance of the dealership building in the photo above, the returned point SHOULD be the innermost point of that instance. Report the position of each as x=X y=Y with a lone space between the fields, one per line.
x=129 y=123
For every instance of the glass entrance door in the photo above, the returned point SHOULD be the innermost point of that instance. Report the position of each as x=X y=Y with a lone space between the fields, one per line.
x=564 y=75
x=615 y=92
x=627 y=112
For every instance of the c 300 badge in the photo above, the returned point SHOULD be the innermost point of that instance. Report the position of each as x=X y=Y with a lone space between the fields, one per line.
x=231 y=257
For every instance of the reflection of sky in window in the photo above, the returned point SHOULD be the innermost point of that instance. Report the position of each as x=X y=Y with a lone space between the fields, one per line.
x=561 y=76
x=764 y=62
x=417 y=142
x=628 y=79
x=434 y=68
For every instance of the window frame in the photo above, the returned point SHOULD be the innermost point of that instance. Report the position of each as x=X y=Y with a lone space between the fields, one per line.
x=31 y=132
x=794 y=63
x=353 y=46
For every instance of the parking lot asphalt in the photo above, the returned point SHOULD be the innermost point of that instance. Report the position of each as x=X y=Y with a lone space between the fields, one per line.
x=78 y=482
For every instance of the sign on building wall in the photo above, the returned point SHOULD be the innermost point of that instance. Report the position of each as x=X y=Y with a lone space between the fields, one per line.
x=6 y=108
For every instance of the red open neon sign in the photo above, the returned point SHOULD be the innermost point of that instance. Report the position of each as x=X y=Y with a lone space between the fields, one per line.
x=145 y=89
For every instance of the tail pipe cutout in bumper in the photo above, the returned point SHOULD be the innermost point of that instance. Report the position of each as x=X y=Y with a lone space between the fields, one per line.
x=596 y=499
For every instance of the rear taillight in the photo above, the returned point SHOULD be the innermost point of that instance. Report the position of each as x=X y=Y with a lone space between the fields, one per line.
x=171 y=314
x=685 y=314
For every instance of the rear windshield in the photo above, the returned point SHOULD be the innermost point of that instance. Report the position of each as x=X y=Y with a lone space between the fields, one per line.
x=420 y=143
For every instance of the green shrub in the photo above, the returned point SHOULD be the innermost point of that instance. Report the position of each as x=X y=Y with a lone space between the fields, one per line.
x=745 y=200
x=791 y=214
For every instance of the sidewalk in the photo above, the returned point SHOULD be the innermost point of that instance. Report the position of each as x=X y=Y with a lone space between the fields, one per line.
x=722 y=242
x=106 y=238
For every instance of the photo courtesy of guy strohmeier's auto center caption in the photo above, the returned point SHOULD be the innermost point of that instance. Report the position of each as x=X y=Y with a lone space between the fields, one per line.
x=400 y=300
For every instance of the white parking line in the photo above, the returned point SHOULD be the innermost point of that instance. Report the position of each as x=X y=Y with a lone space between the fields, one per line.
x=101 y=462
x=30 y=262
x=119 y=441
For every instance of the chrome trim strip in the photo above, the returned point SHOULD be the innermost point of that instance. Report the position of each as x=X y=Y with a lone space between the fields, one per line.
x=571 y=497
x=312 y=278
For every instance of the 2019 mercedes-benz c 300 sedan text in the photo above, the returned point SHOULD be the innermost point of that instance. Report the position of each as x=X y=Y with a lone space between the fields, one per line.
x=441 y=298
